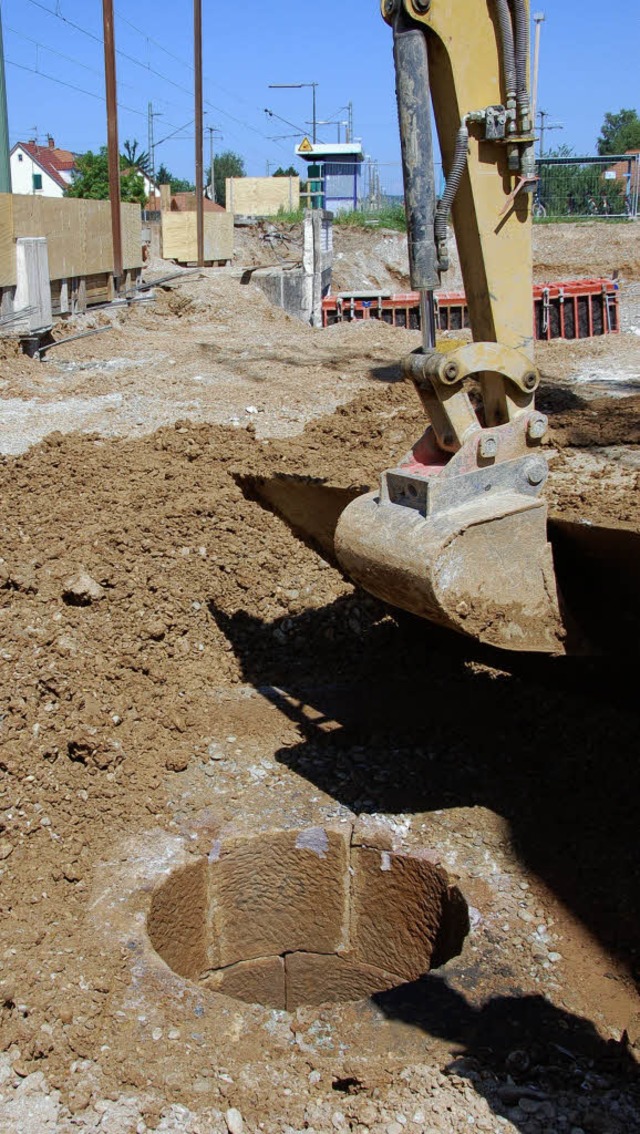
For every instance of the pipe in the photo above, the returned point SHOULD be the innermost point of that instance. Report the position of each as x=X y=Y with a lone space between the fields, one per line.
x=444 y=204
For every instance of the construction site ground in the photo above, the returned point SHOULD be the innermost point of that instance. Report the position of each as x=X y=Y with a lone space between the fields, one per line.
x=176 y=666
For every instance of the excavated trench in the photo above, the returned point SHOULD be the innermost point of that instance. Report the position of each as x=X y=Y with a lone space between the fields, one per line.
x=306 y=916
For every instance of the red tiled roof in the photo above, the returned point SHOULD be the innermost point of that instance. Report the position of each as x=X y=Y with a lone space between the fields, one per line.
x=186 y=203
x=52 y=160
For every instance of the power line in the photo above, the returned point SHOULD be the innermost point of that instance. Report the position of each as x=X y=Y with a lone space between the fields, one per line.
x=71 y=86
x=150 y=39
x=60 y=54
x=58 y=15
x=145 y=67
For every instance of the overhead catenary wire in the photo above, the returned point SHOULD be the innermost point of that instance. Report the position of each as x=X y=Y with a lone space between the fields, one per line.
x=71 y=86
x=57 y=14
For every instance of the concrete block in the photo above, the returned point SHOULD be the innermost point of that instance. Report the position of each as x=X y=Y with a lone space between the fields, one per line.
x=261 y=981
x=176 y=921
x=313 y=978
x=397 y=906
x=281 y=892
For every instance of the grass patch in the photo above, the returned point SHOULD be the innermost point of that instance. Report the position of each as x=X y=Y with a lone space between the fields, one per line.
x=392 y=216
x=290 y=216
x=581 y=220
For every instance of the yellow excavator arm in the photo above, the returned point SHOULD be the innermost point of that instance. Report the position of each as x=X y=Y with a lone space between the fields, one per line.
x=457 y=532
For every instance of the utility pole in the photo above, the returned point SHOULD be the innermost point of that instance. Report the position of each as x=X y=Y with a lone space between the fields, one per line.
x=151 y=146
x=213 y=130
x=298 y=86
x=112 y=137
x=350 y=126
x=543 y=115
x=5 y=163
x=539 y=20
x=197 y=35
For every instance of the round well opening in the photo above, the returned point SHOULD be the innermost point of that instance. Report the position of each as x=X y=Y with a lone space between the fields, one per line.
x=307 y=916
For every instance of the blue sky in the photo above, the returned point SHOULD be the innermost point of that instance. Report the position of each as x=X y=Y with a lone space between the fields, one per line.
x=588 y=65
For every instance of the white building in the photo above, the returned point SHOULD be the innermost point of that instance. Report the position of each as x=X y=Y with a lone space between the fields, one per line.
x=44 y=171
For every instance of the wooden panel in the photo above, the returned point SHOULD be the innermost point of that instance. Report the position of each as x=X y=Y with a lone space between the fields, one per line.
x=78 y=234
x=180 y=238
x=131 y=236
x=262 y=196
x=7 y=244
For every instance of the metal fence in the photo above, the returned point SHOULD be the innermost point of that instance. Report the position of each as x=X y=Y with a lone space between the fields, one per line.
x=584 y=187
x=578 y=187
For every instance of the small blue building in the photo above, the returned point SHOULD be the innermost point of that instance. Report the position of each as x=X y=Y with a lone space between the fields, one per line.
x=335 y=174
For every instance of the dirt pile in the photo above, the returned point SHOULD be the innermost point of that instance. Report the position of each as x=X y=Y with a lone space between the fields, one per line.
x=178 y=667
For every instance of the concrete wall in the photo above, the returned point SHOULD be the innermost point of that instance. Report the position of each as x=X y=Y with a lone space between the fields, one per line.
x=300 y=290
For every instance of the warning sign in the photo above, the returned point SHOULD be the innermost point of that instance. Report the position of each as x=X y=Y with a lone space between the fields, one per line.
x=305 y=147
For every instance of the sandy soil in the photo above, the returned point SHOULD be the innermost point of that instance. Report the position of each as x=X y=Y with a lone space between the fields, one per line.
x=177 y=665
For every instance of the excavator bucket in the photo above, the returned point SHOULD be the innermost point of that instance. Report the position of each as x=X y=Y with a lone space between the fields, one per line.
x=482 y=570
x=489 y=577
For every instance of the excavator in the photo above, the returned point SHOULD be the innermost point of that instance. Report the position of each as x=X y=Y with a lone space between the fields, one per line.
x=457 y=532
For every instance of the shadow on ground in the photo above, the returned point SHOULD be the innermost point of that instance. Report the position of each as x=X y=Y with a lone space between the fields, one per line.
x=401 y=717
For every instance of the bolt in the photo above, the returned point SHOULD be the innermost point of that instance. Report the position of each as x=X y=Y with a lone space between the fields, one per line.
x=422 y=5
x=451 y=371
x=530 y=380
x=536 y=472
x=537 y=426
x=389 y=7
x=487 y=447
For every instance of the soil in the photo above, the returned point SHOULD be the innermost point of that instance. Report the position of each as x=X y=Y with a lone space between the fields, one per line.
x=177 y=666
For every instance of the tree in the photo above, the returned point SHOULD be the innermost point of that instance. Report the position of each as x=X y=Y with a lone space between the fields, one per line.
x=227 y=164
x=290 y=172
x=619 y=132
x=139 y=159
x=178 y=184
x=91 y=179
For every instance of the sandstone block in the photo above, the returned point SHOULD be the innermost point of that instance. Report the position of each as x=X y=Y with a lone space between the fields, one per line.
x=176 y=922
x=281 y=892
x=261 y=981
x=397 y=905
x=313 y=978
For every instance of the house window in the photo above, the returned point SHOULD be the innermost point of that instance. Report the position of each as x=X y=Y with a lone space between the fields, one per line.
x=19 y=157
x=37 y=182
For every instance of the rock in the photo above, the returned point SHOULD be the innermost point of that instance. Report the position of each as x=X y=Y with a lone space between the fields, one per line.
x=234 y=1121
x=81 y=589
x=177 y=762
x=5 y=849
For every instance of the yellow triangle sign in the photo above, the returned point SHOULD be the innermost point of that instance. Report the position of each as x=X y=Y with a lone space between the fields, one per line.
x=305 y=147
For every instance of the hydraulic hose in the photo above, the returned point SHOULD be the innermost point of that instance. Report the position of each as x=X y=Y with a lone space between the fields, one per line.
x=522 y=62
x=505 y=24
x=444 y=204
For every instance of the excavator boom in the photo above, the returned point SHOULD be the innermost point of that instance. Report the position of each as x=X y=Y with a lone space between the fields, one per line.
x=457 y=532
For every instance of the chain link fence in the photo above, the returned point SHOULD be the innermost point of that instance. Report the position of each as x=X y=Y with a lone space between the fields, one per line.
x=584 y=187
x=568 y=187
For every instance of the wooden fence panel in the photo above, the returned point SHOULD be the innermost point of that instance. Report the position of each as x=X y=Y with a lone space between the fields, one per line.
x=180 y=239
x=78 y=234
